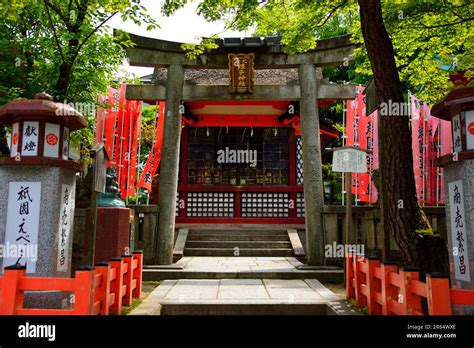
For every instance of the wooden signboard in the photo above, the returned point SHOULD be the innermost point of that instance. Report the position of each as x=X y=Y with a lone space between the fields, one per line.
x=241 y=67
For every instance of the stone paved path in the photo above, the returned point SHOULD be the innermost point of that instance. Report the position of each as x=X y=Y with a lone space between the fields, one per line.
x=237 y=264
x=238 y=291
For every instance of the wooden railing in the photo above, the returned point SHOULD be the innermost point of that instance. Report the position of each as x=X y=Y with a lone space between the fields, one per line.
x=100 y=290
x=388 y=289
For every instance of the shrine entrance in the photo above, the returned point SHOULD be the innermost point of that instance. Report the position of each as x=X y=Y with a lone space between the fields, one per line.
x=271 y=101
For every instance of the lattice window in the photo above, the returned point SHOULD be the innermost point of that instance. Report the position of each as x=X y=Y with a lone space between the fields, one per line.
x=299 y=204
x=210 y=204
x=299 y=161
x=265 y=205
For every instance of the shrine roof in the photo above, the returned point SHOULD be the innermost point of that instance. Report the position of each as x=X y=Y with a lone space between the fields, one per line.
x=270 y=44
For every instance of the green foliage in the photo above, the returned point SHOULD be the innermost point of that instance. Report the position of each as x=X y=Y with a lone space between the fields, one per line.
x=66 y=49
x=194 y=50
x=424 y=34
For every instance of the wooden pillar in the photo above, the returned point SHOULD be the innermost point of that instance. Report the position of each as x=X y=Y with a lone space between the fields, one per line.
x=312 y=171
x=169 y=165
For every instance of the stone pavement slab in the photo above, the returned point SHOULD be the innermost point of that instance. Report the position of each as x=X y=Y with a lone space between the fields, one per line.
x=237 y=292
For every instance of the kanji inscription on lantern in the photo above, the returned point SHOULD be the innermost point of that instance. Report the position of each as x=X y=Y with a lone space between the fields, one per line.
x=24 y=200
x=456 y=125
x=241 y=69
x=30 y=138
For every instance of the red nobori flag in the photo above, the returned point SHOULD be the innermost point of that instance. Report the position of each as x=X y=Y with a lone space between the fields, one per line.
x=119 y=137
x=445 y=147
x=155 y=154
x=361 y=131
x=111 y=120
x=106 y=121
x=431 y=142
x=418 y=142
x=129 y=169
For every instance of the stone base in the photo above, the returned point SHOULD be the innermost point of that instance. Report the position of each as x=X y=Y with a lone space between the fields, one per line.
x=47 y=300
x=113 y=233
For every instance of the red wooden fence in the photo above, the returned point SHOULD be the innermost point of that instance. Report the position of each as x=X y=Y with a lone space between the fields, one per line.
x=387 y=289
x=100 y=290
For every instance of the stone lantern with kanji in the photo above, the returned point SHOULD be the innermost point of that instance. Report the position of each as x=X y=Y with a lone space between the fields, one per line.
x=458 y=107
x=37 y=188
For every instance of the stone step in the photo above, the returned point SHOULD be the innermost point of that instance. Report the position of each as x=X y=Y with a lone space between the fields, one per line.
x=237 y=243
x=238 y=237
x=242 y=252
x=176 y=308
x=239 y=232
x=325 y=275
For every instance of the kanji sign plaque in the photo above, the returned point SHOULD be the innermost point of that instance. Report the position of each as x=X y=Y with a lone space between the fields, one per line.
x=241 y=68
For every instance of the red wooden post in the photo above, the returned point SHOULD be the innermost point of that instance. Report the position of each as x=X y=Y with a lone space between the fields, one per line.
x=103 y=291
x=83 y=290
x=388 y=291
x=350 y=294
x=137 y=274
x=12 y=296
x=358 y=275
x=437 y=288
x=410 y=302
x=116 y=285
x=127 y=280
x=372 y=263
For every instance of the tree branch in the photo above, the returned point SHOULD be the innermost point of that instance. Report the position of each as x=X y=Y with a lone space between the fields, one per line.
x=89 y=36
x=54 y=32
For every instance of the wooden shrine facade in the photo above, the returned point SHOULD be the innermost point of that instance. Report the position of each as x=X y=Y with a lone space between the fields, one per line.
x=271 y=192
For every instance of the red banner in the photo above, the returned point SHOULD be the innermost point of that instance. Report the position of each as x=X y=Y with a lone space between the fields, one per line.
x=418 y=140
x=155 y=154
x=129 y=152
x=361 y=131
x=431 y=138
x=444 y=148
x=118 y=129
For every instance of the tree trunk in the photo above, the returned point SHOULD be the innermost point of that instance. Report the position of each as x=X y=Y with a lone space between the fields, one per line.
x=401 y=214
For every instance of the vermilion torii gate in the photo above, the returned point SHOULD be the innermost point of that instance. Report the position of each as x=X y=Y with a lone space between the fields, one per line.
x=268 y=54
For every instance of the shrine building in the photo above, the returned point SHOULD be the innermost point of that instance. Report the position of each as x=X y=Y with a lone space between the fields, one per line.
x=242 y=140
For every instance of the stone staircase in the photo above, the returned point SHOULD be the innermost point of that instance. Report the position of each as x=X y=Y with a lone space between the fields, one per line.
x=238 y=243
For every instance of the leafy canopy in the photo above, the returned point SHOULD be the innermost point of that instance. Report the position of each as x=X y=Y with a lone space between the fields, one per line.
x=425 y=34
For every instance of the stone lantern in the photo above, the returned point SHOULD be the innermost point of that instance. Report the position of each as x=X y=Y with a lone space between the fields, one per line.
x=458 y=107
x=37 y=188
